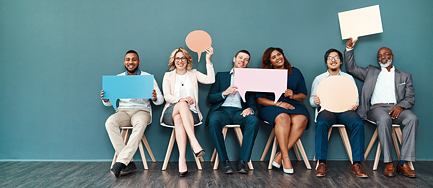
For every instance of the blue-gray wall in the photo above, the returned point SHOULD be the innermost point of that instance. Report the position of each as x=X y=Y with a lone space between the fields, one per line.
x=53 y=55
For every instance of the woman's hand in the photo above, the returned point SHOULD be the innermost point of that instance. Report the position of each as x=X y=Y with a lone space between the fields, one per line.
x=209 y=52
x=188 y=100
x=288 y=93
x=286 y=106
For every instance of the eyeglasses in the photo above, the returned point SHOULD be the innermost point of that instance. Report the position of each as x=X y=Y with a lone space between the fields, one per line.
x=179 y=59
x=330 y=58
x=384 y=55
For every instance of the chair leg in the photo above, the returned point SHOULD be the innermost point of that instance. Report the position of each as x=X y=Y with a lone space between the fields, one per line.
x=371 y=144
x=295 y=149
x=146 y=144
x=213 y=155
x=376 y=159
x=268 y=145
x=273 y=152
x=239 y=135
x=143 y=157
x=304 y=155
x=346 y=142
x=217 y=161
x=169 y=149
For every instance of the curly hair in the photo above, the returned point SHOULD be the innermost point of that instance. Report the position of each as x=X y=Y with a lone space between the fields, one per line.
x=266 y=60
x=171 y=64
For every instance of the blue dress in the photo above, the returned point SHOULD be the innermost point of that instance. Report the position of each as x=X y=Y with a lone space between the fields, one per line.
x=296 y=83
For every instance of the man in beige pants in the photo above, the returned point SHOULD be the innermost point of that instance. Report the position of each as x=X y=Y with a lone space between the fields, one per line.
x=131 y=112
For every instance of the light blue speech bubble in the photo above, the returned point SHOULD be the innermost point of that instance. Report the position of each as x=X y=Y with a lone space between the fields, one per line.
x=127 y=87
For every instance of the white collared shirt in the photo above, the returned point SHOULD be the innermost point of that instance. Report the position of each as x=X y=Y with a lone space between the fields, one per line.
x=384 y=91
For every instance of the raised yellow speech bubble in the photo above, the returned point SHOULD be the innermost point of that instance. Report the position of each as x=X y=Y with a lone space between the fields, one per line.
x=198 y=41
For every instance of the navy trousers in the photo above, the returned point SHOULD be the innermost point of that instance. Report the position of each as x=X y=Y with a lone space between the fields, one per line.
x=350 y=119
x=232 y=116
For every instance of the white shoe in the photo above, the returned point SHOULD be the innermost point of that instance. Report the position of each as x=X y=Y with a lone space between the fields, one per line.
x=287 y=171
x=275 y=164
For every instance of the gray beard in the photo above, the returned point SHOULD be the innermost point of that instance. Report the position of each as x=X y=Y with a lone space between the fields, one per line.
x=389 y=61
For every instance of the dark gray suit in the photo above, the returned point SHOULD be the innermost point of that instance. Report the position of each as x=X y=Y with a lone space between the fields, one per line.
x=405 y=97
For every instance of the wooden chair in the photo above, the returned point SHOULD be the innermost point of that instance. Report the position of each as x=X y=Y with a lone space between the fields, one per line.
x=344 y=138
x=395 y=131
x=125 y=135
x=238 y=132
x=297 y=146
x=198 y=160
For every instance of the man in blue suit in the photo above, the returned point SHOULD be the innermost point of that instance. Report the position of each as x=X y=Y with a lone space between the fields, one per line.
x=229 y=109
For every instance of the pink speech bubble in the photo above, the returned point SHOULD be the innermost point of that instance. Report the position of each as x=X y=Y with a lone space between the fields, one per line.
x=261 y=80
x=198 y=41
x=337 y=94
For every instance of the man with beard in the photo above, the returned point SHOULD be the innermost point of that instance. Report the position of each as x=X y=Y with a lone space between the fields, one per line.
x=325 y=119
x=131 y=112
x=229 y=109
x=386 y=98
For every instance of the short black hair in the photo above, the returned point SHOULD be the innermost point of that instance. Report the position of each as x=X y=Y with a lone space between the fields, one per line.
x=243 y=51
x=333 y=50
x=133 y=51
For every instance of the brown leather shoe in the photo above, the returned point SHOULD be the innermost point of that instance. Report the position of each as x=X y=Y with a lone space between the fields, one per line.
x=321 y=170
x=389 y=170
x=358 y=171
x=406 y=171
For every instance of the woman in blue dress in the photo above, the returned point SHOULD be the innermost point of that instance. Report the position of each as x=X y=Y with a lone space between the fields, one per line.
x=288 y=116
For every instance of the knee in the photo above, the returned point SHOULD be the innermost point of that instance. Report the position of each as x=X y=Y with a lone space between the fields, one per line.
x=411 y=120
x=177 y=120
x=252 y=123
x=109 y=124
x=182 y=105
x=384 y=120
x=283 y=119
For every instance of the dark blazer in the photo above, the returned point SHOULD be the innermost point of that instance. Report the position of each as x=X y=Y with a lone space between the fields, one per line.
x=222 y=82
x=404 y=91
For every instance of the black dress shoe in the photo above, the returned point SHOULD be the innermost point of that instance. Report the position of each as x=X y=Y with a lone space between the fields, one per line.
x=117 y=167
x=241 y=167
x=227 y=169
x=199 y=154
x=183 y=174
x=129 y=168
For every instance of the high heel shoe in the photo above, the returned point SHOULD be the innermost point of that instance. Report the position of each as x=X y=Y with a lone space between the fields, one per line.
x=275 y=164
x=287 y=171
x=183 y=174
x=200 y=153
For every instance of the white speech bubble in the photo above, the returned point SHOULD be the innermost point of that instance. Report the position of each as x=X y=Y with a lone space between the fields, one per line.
x=360 y=22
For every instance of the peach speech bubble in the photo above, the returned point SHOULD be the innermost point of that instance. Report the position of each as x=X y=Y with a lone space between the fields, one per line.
x=261 y=80
x=198 y=41
x=337 y=94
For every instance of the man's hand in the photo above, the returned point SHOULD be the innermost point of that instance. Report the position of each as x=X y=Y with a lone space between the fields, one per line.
x=230 y=90
x=288 y=93
x=286 y=106
x=316 y=99
x=102 y=95
x=395 y=112
x=354 y=107
x=351 y=43
x=247 y=112
x=209 y=52
x=154 y=95
x=188 y=100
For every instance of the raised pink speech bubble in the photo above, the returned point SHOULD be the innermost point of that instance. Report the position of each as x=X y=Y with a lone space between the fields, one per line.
x=261 y=80
x=337 y=94
x=198 y=41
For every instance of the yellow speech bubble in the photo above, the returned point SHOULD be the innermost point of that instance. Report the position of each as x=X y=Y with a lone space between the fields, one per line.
x=198 y=41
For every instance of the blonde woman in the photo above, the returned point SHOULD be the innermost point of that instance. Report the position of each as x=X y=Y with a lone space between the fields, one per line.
x=180 y=87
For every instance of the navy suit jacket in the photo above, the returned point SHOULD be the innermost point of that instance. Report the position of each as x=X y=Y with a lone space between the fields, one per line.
x=215 y=98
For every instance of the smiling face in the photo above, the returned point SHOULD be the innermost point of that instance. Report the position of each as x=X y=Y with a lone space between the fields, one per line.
x=385 y=57
x=241 y=60
x=277 y=60
x=131 y=63
x=180 y=61
x=333 y=62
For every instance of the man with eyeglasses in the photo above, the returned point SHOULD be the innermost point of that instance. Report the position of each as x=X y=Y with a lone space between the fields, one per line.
x=386 y=98
x=325 y=119
x=229 y=109
x=131 y=112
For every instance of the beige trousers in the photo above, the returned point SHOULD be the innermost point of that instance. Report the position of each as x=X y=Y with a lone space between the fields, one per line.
x=138 y=119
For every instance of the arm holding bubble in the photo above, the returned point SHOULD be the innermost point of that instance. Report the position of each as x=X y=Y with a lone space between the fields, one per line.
x=349 y=59
x=210 y=77
x=106 y=102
